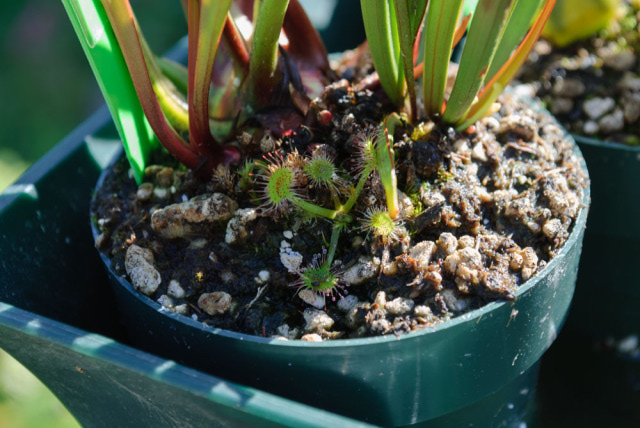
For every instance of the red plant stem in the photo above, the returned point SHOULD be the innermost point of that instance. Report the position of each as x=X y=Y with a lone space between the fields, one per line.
x=206 y=23
x=305 y=45
x=462 y=28
x=125 y=28
x=198 y=130
x=236 y=45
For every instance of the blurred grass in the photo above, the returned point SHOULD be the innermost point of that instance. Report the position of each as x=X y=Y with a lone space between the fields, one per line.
x=25 y=402
x=47 y=86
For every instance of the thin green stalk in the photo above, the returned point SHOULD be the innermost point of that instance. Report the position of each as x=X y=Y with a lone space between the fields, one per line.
x=318 y=210
x=333 y=244
x=497 y=84
x=386 y=165
x=264 y=76
x=206 y=23
x=126 y=30
x=406 y=40
x=172 y=101
x=485 y=33
x=346 y=208
x=381 y=28
x=440 y=29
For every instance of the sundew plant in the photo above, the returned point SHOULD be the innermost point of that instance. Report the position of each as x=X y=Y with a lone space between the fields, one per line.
x=261 y=63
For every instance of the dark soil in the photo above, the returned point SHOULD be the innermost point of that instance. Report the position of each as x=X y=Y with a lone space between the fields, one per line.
x=481 y=212
x=593 y=86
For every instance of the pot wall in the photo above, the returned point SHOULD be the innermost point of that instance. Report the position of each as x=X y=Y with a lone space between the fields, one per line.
x=608 y=294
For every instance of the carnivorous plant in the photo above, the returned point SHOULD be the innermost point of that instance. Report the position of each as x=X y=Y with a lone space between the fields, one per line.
x=261 y=63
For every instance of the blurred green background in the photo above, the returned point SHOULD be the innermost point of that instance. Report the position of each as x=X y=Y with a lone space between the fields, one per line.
x=47 y=89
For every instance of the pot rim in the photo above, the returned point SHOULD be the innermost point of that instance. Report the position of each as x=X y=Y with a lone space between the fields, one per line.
x=613 y=145
x=472 y=316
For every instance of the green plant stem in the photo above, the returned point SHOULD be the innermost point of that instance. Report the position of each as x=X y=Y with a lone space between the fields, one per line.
x=206 y=23
x=172 y=102
x=236 y=46
x=321 y=211
x=126 y=30
x=485 y=33
x=440 y=29
x=333 y=244
x=497 y=84
x=264 y=75
x=381 y=28
x=386 y=165
x=406 y=40
x=346 y=208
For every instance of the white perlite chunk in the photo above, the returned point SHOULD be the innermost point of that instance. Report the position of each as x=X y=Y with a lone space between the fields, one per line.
x=422 y=253
x=290 y=259
x=399 y=306
x=423 y=311
x=362 y=271
x=263 y=277
x=166 y=301
x=590 y=127
x=237 y=227
x=552 y=228
x=447 y=242
x=182 y=309
x=596 y=107
x=464 y=263
x=287 y=332
x=612 y=122
x=288 y=234
x=317 y=321
x=139 y=266
x=311 y=338
x=179 y=220
x=145 y=191
x=312 y=298
x=216 y=303
x=345 y=304
x=529 y=262
x=175 y=289
x=453 y=302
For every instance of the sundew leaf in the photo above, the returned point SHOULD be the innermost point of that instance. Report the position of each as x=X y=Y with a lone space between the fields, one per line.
x=485 y=33
x=520 y=21
x=440 y=28
x=502 y=78
x=381 y=28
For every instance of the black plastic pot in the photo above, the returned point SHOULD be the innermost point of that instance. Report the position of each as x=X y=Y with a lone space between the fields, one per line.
x=479 y=368
x=58 y=316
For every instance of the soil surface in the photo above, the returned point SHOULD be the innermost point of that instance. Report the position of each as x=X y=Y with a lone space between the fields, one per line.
x=480 y=213
x=593 y=86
